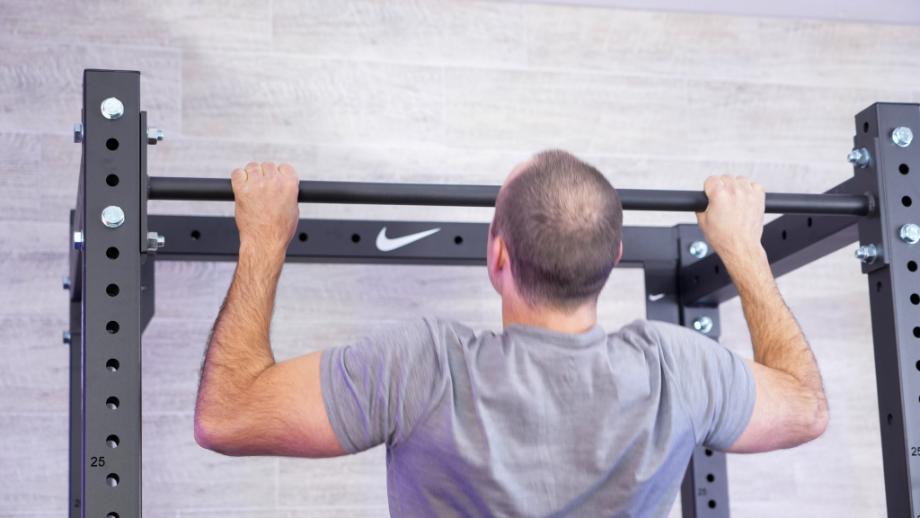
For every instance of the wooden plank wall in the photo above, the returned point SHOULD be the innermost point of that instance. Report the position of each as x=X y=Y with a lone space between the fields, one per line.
x=433 y=91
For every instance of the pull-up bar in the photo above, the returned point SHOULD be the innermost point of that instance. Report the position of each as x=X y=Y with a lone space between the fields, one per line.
x=214 y=189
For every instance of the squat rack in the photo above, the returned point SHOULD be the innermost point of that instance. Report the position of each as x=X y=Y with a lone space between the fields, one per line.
x=115 y=245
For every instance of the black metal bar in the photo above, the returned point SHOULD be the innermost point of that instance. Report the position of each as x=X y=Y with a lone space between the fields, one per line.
x=215 y=189
x=791 y=241
x=894 y=288
x=111 y=337
x=209 y=238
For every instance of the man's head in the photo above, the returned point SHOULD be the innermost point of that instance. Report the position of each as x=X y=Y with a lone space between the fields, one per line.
x=557 y=232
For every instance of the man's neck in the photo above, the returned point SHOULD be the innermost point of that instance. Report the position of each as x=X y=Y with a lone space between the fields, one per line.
x=580 y=320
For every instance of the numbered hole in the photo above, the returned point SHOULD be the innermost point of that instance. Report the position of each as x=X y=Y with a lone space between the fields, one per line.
x=111 y=180
x=111 y=479
x=912 y=266
x=717 y=269
x=111 y=252
x=113 y=514
x=809 y=222
x=355 y=238
x=303 y=236
x=783 y=235
x=917 y=365
x=111 y=144
x=890 y=419
x=865 y=127
x=196 y=235
x=878 y=286
x=708 y=452
x=914 y=299
x=112 y=403
x=712 y=504
x=904 y=168
x=112 y=290
x=112 y=365
x=917 y=332
x=710 y=478
x=112 y=441
x=112 y=327
x=458 y=240
x=906 y=201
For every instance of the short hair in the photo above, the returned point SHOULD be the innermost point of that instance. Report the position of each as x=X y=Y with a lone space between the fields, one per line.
x=562 y=223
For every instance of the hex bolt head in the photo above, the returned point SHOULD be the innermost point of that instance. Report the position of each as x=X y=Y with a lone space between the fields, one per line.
x=155 y=135
x=112 y=108
x=867 y=254
x=703 y=324
x=910 y=233
x=860 y=157
x=155 y=241
x=113 y=216
x=78 y=133
x=78 y=240
x=902 y=136
x=66 y=337
x=698 y=249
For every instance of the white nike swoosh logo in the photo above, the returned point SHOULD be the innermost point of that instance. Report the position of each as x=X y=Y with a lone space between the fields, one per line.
x=386 y=244
x=655 y=296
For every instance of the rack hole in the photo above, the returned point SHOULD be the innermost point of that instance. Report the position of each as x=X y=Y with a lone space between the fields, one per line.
x=710 y=478
x=904 y=168
x=112 y=403
x=458 y=240
x=111 y=252
x=112 y=365
x=708 y=452
x=717 y=269
x=112 y=515
x=878 y=286
x=112 y=441
x=890 y=419
x=112 y=327
x=865 y=127
x=784 y=234
x=906 y=201
x=912 y=266
x=712 y=504
x=111 y=144
x=303 y=236
x=196 y=235
x=355 y=238
x=917 y=332
x=111 y=479
x=914 y=299
x=112 y=290
x=917 y=365
x=809 y=222
x=112 y=180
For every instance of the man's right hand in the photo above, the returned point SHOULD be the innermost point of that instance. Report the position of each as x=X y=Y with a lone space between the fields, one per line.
x=733 y=221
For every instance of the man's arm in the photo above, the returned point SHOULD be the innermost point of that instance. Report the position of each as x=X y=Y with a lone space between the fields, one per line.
x=248 y=404
x=790 y=407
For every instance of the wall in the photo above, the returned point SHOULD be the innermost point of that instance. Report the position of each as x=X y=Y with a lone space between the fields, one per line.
x=419 y=91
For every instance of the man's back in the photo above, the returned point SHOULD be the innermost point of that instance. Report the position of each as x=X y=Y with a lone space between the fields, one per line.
x=533 y=422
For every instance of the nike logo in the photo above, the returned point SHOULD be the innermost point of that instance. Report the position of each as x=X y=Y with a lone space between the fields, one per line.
x=655 y=296
x=387 y=244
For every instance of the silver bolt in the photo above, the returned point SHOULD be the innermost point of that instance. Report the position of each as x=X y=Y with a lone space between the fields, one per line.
x=902 y=136
x=112 y=108
x=859 y=157
x=65 y=282
x=698 y=249
x=703 y=324
x=78 y=240
x=867 y=253
x=78 y=133
x=155 y=241
x=910 y=233
x=66 y=337
x=113 y=216
x=155 y=135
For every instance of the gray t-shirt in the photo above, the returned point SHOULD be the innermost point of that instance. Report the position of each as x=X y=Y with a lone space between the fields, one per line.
x=532 y=422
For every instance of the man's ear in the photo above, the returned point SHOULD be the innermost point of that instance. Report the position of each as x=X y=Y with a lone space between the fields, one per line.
x=619 y=253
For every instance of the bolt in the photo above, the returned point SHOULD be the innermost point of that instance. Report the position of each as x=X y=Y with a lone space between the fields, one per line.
x=78 y=133
x=78 y=240
x=65 y=282
x=66 y=337
x=155 y=135
x=113 y=216
x=867 y=253
x=910 y=233
x=155 y=241
x=112 y=108
x=703 y=324
x=859 y=157
x=698 y=249
x=902 y=136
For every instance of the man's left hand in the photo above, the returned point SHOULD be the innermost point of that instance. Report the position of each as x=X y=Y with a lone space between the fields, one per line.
x=266 y=205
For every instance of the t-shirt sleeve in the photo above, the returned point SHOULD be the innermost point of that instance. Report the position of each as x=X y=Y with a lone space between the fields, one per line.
x=377 y=389
x=714 y=384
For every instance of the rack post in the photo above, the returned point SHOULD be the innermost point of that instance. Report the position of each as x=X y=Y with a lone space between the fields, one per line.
x=111 y=216
x=891 y=176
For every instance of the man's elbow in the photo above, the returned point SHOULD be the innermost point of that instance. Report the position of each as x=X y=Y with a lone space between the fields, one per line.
x=212 y=435
x=817 y=421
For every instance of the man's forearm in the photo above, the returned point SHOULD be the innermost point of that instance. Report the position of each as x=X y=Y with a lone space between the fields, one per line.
x=777 y=339
x=239 y=349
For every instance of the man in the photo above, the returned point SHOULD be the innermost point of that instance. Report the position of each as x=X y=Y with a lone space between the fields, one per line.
x=553 y=416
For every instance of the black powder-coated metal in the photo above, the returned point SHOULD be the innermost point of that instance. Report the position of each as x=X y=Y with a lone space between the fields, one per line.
x=894 y=288
x=215 y=189
x=111 y=476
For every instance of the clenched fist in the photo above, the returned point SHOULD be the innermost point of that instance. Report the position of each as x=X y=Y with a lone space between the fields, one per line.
x=733 y=221
x=266 y=205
